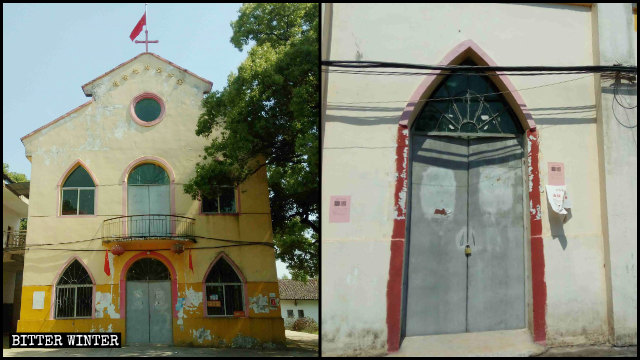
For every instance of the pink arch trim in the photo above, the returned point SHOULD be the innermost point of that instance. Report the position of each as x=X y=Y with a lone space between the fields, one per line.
x=223 y=255
x=57 y=277
x=64 y=177
x=464 y=50
x=123 y=280
x=172 y=188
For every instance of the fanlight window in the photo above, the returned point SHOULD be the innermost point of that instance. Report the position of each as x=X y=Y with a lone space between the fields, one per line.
x=148 y=174
x=225 y=294
x=78 y=193
x=148 y=269
x=74 y=293
x=467 y=105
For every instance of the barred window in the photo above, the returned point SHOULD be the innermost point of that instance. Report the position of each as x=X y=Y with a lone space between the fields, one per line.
x=300 y=313
x=225 y=293
x=74 y=293
x=78 y=193
x=290 y=313
x=224 y=203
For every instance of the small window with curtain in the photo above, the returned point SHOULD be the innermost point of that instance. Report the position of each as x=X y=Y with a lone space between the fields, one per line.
x=224 y=288
x=78 y=193
x=224 y=203
x=74 y=293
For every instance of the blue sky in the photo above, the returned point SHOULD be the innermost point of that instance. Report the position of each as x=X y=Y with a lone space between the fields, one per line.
x=51 y=50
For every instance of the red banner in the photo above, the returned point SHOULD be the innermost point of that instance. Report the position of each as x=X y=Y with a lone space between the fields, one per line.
x=190 y=264
x=107 y=269
x=138 y=29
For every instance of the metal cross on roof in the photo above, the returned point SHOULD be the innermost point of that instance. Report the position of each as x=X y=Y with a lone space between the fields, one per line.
x=146 y=40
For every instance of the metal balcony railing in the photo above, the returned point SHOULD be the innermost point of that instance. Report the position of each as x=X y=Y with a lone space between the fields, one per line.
x=14 y=240
x=153 y=226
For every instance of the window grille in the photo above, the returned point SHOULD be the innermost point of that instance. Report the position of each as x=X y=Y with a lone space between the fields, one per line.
x=467 y=105
x=224 y=203
x=224 y=288
x=148 y=269
x=78 y=193
x=290 y=313
x=300 y=313
x=74 y=293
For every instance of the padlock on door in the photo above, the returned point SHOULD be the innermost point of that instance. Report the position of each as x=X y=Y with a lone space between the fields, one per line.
x=467 y=250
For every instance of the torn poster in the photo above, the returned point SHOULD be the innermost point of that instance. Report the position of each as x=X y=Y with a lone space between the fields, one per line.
x=558 y=198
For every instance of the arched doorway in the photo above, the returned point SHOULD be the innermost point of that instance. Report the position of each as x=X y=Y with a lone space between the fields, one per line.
x=465 y=257
x=149 y=303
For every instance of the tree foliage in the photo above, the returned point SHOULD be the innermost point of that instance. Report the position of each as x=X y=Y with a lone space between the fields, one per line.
x=268 y=115
x=14 y=176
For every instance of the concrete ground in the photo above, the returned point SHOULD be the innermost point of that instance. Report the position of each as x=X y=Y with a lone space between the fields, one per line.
x=298 y=344
x=591 y=351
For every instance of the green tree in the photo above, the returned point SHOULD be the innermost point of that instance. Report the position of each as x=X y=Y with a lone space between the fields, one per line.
x=268 y=115
x=14 y=176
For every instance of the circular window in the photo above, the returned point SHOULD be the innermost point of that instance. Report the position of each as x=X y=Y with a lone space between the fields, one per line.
x=147 y=109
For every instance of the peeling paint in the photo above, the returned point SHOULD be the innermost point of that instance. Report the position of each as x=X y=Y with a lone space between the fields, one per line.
x=259 y=304
x=179 y=308
x=104 y=305
x=193 y=299
x=200 y=335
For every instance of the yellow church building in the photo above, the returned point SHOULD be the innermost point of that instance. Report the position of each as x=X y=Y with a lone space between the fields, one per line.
x=114 y=243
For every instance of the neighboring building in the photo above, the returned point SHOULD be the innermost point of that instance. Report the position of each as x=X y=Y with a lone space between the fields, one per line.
x=141 y=257
x=417 y=167
x=15 y=205
x=298 y=299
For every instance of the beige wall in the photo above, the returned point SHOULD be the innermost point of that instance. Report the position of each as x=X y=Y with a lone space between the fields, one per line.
x=361 y=124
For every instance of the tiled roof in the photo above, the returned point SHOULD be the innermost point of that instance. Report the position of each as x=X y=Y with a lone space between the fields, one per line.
x=298 y=290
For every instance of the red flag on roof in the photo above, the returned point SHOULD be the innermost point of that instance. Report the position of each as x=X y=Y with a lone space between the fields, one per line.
x=190 y=264
x=138 y=29
x=107 y=269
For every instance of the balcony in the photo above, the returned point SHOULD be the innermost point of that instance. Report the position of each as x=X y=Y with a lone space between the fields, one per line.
x=135 y=228
x=14 y=240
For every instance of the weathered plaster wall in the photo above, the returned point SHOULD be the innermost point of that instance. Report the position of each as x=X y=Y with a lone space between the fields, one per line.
x=619 y=170
x=361 y=123
x=105 y=138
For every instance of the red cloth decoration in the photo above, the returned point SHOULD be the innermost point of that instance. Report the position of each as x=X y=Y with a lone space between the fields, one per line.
x=107 y=270
x=138 y=29
x=190 y=264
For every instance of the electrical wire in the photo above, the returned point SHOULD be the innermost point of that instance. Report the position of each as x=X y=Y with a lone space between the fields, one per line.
x=455 y=98
x=195 y=248
x=441 y=73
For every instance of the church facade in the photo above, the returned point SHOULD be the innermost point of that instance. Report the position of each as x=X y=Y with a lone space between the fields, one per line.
x=115 y=245
x=455 y=203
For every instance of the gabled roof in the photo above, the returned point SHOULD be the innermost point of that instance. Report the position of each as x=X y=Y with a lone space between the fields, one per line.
x=298 y=290
x=85 y=86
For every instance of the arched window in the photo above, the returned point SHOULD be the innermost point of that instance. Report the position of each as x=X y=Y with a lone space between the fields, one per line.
x=467 y=104
x=78 y=193
x=225 y=292
x=223 y=203
x=74 y=293
x=149 y=195
x=148 y=269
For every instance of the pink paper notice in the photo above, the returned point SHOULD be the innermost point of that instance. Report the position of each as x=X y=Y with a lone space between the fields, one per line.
x=339 y=209
x=556 y=174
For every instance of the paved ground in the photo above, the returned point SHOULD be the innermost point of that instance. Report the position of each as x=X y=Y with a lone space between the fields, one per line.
x=591 y=351
x=298 y=344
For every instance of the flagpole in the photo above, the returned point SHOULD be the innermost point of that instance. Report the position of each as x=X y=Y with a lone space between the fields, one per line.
x=146 y=28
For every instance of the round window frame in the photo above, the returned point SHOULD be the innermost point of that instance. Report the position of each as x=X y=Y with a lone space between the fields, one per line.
x=146 y=95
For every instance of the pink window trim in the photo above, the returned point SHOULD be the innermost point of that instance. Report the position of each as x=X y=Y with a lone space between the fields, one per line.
x=172 y=189
x=146 y=95
x=465 y=49
x=238 y=210
x=61 y=181
x=123 y=280
x=57 y=277
x=223 y=255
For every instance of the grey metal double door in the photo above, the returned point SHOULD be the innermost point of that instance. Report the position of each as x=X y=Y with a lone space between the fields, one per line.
x=465 y=192
x=149 y=312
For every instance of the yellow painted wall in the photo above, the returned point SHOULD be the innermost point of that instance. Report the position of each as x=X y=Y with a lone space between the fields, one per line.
x=104 y=136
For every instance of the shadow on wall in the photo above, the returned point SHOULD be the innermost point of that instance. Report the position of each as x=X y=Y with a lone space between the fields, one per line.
x=573 y=115
x=556 y=224
x=358 y=119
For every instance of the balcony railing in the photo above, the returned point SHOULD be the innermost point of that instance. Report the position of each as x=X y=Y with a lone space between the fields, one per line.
x=140 y=227
x=14 y=240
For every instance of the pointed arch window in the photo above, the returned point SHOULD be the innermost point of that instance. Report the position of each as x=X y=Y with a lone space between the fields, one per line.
x=78 y=193
x=74 y=293
x=467 y=105
x=225 y=290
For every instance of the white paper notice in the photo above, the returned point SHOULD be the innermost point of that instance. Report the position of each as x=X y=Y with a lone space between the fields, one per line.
x=38 y=300
x=557 y=196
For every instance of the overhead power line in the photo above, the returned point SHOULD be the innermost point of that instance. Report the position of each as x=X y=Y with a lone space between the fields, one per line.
x=457 y=68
